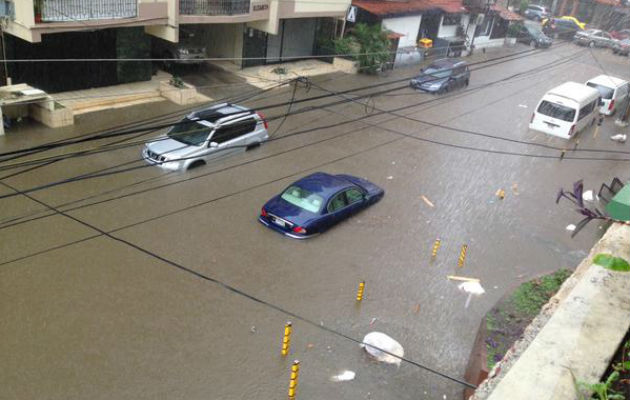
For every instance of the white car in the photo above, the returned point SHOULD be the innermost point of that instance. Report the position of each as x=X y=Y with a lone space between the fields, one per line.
x=614 y=92
x=205 y=135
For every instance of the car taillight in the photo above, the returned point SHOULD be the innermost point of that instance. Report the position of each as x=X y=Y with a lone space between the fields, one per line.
x=263 y=212
x=299 y=229
x=264 y=120
x=572 y=130
x=611 y=105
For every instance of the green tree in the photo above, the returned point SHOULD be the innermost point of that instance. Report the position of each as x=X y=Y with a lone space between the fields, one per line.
x=368 y=44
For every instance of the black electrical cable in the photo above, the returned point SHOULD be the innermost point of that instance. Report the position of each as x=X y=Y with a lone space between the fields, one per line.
x=242 y=293
x=56 y=144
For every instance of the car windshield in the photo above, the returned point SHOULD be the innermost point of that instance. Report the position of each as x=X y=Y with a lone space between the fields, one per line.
x=303 y=199
x=189 y=132
x=605 y=91
x=534 y=30
x=558 y=111
x=438 y=72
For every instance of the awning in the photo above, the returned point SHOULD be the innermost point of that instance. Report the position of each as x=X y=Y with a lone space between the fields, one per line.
x=394 y=35
x=506 y=14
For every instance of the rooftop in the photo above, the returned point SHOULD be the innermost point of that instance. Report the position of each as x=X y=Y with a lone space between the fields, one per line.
x=391 y=8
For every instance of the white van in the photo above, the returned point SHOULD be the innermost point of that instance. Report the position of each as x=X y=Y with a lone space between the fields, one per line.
x=566 y=110
x=614 y=92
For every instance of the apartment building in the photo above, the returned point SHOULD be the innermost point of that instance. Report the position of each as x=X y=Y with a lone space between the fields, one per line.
x=248 y=32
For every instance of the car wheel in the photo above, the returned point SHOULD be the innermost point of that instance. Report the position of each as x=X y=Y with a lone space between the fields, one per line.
x=533 y=44
x=196 y=164
x=252 y=146
x=591 y=44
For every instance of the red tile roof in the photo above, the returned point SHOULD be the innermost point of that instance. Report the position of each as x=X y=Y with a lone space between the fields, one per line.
x=609 y=2
x=506 y=14
x=390 y=8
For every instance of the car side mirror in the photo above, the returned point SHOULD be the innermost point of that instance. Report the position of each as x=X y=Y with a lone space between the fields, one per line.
x=214 y=144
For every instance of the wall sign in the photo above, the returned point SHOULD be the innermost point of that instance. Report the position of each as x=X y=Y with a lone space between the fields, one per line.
x=351 y=16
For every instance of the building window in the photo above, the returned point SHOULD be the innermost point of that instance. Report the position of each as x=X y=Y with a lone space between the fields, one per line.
x=451 y=19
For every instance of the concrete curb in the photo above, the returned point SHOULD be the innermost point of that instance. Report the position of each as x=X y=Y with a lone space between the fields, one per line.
x=580 y=328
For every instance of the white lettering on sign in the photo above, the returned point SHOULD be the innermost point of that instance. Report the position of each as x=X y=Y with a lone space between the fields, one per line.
x=351 y=16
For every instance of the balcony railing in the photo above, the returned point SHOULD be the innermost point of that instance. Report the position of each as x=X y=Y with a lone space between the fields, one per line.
x=83 y=10
x=213 y=7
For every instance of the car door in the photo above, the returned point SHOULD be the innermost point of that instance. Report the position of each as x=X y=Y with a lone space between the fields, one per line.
x=355 y=198
x=335 y=210
x=224 y=141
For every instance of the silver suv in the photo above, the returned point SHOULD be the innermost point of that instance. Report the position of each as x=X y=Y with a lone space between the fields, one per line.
x=206 y=135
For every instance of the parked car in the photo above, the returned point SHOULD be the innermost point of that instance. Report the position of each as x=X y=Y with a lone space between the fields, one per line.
x=566 y=110
x=614 y=92
x=317 y=202
x=620 y=34
x=442 y=76
x=536 y=12
x=205 y=135
x=560 y=28
x=184 y=52
x=533 y=35
x=579 y=23
x=594 y=38
x=621 y=47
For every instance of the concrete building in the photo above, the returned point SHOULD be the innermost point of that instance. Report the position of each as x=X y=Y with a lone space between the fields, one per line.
x=260 y=31
x=450 y=24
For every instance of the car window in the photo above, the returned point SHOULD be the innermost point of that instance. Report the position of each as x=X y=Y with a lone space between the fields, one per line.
x=353 y=195
x=303 y=198
x=555 y=110
x=338 y=202
x=438 y=72
x=605 y=91
x=586 y=110
x=232 y=131
x=189 y=132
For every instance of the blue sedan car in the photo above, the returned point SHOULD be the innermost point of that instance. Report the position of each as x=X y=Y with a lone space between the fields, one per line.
x=317 y=202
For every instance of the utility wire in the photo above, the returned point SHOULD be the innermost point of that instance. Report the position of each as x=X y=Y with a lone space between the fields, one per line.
x=98 y=137
x=95 y=175
x=243 y=293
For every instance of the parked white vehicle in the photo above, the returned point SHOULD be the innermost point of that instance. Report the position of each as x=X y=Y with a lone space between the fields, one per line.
x=205 y=135
x=614 y=92
x=566 y=110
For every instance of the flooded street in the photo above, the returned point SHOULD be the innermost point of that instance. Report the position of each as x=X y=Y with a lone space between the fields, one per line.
x=170 y=288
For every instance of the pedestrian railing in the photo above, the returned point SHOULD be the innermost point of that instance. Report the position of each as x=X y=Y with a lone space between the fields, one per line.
x=82 y=10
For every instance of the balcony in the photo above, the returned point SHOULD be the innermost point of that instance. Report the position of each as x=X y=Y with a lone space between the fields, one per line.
x=84 y=10
x=214 y=7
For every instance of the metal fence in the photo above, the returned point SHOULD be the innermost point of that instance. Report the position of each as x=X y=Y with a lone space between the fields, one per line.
x=213 y=7
x=81 y=10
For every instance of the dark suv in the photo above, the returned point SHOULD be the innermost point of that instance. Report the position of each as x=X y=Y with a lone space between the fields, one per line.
x=560 y=28
x=532 y=35
x=442 y=76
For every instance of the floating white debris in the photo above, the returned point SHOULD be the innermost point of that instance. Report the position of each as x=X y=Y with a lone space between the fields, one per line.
x=427 y=201
x=471 y=287
x=621 y=138
x=389 y=178
x=522 y=105
x=588 y=195
x=381 y=341
x=570 y=227
x=343 y=376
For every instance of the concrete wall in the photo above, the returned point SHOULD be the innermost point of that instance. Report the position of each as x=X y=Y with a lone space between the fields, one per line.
x=446 y=30
x=408 y=26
